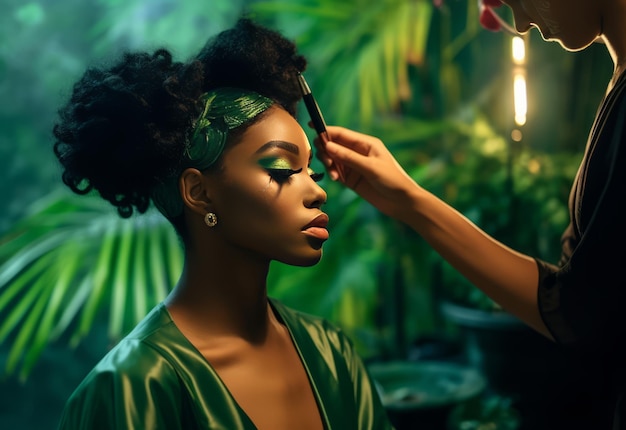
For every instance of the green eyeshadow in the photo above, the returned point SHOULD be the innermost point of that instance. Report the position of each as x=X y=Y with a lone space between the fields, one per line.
x=275 y=163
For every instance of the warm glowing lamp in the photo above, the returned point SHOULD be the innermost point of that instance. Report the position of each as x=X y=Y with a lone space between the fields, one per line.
x=520 y=101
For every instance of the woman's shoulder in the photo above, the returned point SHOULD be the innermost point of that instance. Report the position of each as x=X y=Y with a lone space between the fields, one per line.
x=140 y=350
x=137 y=375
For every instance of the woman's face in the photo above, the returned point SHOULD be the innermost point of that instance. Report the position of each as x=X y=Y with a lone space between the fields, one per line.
x=266 y=197
x=575 y=24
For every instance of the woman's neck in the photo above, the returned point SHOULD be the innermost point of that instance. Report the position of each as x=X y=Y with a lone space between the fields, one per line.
x=614 y=37
x=222 y=295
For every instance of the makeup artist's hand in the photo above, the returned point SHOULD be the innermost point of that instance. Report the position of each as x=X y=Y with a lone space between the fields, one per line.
x=369 y=169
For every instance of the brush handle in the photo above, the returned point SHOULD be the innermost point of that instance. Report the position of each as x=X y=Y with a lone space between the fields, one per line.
x=315 y=113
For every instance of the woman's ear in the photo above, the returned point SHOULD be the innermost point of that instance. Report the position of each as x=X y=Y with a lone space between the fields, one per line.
x=194 y=190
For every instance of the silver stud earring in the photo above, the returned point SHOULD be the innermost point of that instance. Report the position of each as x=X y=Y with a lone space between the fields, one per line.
x=210 y=219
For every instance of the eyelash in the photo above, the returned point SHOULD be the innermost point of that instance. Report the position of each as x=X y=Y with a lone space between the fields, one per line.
x=282 y=175
x=317 y=176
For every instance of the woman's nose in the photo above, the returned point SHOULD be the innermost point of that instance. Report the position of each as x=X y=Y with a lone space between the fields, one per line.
x=318 y=197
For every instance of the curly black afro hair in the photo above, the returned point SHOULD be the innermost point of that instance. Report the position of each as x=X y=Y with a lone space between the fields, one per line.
x=124 y=128
x=256 y=58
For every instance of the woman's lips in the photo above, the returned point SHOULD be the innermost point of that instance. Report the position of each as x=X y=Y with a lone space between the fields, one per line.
x=317 y=227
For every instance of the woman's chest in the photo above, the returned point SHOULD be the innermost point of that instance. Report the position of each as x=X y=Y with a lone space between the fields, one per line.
x=270 y=384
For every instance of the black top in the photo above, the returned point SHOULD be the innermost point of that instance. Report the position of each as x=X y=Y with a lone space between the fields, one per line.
x=582 y=300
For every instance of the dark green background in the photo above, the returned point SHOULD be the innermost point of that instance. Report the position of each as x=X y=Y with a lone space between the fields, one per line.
x=377 y=280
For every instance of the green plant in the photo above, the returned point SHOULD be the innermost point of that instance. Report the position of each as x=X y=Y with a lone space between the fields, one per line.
x=428 y=81
x=71 y=257
x=485 y=413
x=524 y=207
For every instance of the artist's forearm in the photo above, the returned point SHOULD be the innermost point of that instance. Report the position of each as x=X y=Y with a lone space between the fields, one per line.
x=508 y=277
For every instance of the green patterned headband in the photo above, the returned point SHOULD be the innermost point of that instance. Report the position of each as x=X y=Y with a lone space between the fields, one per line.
x=224 y=110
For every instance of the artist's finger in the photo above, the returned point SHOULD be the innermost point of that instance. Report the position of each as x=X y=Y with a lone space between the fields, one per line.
x=326 y=160
x=347 y=156
x=354 y=140
x=321 y=153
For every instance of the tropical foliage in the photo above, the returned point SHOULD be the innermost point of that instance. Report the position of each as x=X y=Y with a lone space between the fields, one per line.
x=428 y=81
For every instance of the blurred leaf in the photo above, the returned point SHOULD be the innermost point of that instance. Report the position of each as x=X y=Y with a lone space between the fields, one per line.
x=365 y=70
x=74 y=260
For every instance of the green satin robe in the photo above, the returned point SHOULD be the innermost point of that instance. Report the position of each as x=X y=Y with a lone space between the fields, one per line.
x=156 y=379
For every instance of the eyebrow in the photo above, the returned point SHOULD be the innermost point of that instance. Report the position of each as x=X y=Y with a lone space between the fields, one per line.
x=287 y=146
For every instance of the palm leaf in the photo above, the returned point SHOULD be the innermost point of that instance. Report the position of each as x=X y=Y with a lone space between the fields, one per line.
x=358 y=65
x=70 y=259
